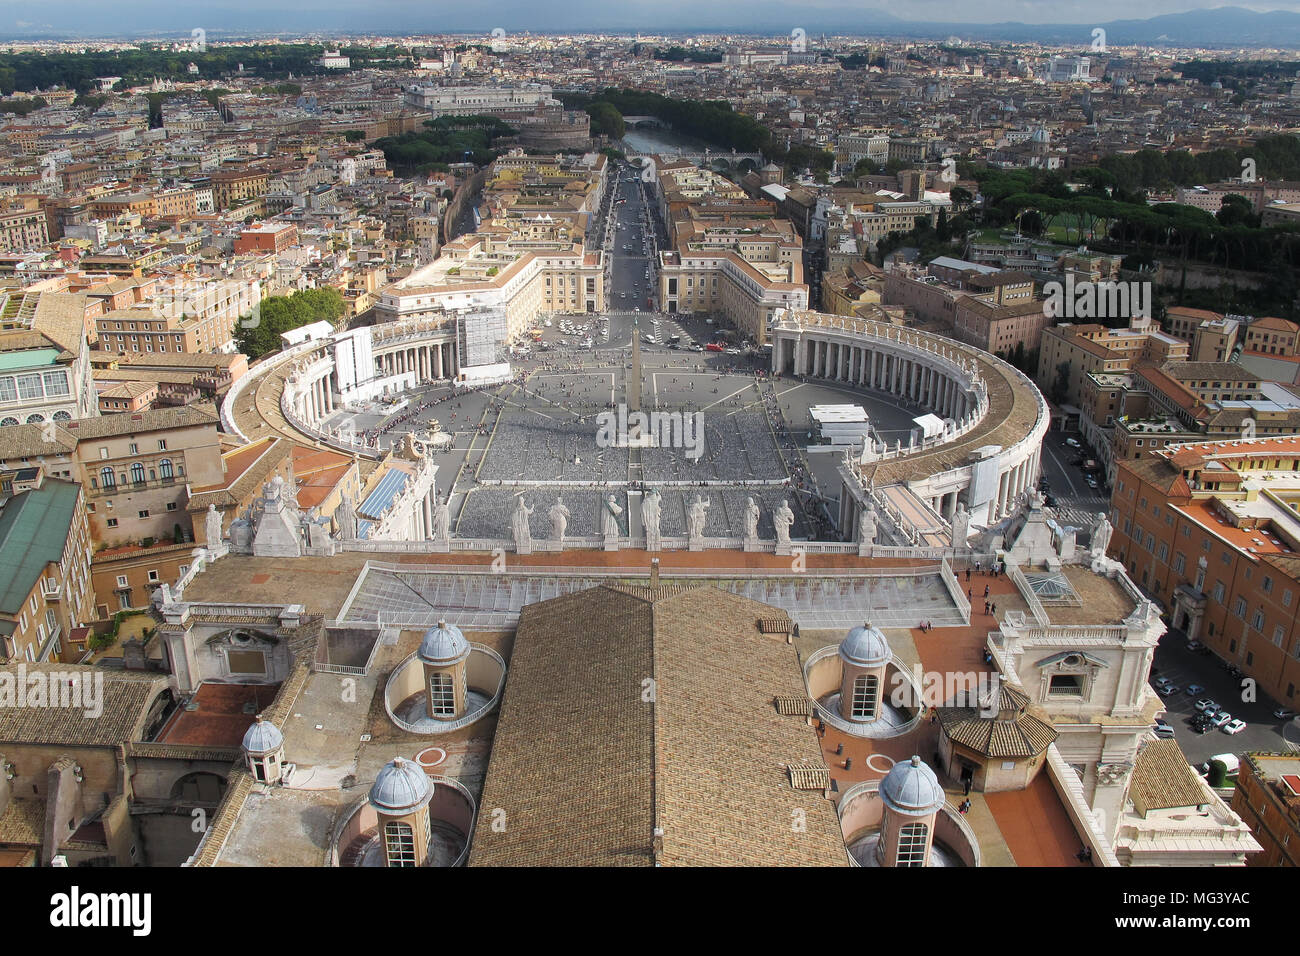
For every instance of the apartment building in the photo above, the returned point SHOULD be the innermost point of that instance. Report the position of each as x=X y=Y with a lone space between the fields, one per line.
x=871 y=143
x=45 y=584
x=480 y=100
x=1068 y=353
x=23 y=228
x=1270 y=335
x=1154 y=406
x=134 y=467
x=1210 y=529
x=748 y=295
x=239 y=187
x=1267 y=797
x=1184 y=322
x=487 y=270
x=180 y=316
x=45 y=371
x=271 y=237
x=1000 y=328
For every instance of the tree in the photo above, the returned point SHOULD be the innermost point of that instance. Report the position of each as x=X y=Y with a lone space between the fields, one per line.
x=1236 y=211
x=865 y=166
x=1061 y=386
x=279 y=314
x=355 y=136
x=606 y=120
x=1218 y=774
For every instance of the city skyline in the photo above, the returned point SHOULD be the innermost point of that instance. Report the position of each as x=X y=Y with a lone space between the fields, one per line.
x=1007 y=20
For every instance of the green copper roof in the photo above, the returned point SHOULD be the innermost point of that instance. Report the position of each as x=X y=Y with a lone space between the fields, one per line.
x=33 y=530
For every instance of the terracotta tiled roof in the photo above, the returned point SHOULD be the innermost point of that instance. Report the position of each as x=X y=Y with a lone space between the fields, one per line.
x=22 y=822
x=1162 y=779
x=126 y=702
x=590 y=757
x=106 y=426
x=1017 y=732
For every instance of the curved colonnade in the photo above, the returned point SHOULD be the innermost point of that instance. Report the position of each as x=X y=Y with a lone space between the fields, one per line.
x=994 y=417
x=291 y=393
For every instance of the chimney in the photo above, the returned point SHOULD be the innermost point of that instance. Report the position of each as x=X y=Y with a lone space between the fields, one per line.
x=654 y=572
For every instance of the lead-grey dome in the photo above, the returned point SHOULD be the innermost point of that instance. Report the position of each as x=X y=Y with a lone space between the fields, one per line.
x=865 y=646
x=911 y=788
x=443 y=644
x=400 y=787
x=262 y=738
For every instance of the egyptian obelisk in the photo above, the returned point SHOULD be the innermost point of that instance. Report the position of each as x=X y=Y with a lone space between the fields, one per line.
x=633 y=386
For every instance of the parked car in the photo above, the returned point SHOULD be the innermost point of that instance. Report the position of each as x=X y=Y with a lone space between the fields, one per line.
x=1193 y=645
x=1207 y=706
x=1073 y=442
x=1162 y=729
x=1194 y=689
x=1283 y=713
x=1233 y=727
x=1221 y=719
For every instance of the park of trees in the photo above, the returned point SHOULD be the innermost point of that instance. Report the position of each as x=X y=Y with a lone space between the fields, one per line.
x=709 y=120
x=30 y=70
x=445 y=140
x=260 y=335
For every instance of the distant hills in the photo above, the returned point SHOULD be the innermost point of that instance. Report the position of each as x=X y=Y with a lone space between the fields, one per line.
x=1222 y=27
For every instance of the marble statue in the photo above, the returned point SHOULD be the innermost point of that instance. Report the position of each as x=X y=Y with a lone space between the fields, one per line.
x=782 y=519
x=960 y=526
x=212 y=527
x=697 y=516
x=441 y=520
x=519 y=525
x=650 y=511
x=867 y=526
x=751 y=519
x=559 y=516
x=1101 y=532
x=609 y=517
x=345 y=516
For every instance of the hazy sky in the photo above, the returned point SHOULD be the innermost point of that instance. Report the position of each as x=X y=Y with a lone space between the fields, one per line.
x=95 y=17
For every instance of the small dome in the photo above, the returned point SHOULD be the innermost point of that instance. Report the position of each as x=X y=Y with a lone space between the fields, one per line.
x=400 y=787
x=866 y=646
x=443 y=644
x=262 y=738
x=912 y=788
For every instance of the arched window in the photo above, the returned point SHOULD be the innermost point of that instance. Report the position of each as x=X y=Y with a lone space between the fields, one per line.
x=864 y=696
x=442 y=696
x=399 y=843
x=911 y=844
x=165 y=469
x=106 y=478
x=9 y=421
x=137 y=473
x=62 y=417
x=35 y=419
